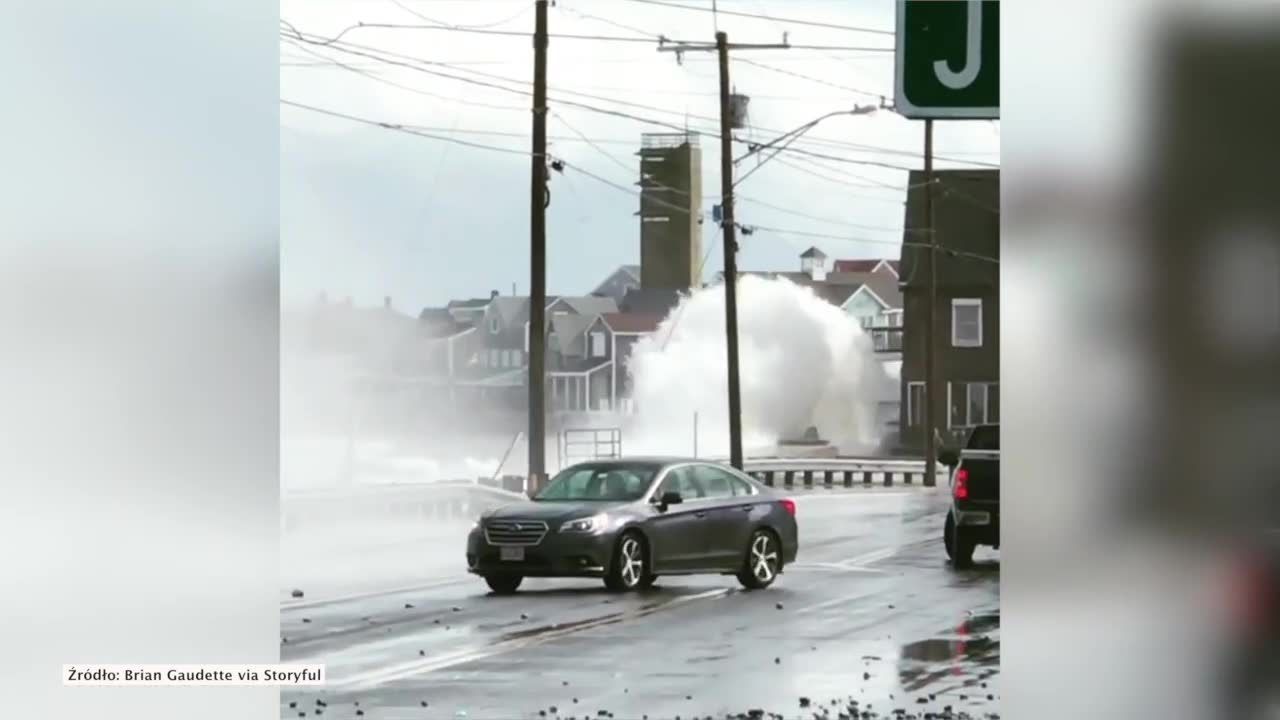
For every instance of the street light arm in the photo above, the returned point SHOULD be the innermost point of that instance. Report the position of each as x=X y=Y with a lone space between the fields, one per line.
x=790 y=137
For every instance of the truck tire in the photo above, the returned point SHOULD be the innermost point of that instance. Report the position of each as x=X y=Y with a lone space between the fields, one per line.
x=958 y=544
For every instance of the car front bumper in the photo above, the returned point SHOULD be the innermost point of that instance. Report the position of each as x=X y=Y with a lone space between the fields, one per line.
x=557 y=555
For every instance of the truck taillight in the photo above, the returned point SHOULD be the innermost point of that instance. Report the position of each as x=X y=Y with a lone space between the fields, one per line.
x=961 y=487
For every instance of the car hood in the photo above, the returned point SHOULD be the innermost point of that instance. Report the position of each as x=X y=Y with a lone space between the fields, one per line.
x=550 y=511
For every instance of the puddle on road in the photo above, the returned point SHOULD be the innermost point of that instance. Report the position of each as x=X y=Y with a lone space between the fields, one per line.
x=961 y=658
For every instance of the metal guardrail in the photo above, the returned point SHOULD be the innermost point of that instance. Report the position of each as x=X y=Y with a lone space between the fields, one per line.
x=830 y=472
x=457 y=500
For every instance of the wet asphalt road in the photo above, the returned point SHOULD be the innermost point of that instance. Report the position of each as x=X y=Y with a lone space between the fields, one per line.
x=869 y=621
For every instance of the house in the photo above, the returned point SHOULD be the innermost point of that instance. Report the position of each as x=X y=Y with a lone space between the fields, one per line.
x=650 y=301
x=469 y=312
x=966 y=209
x=868 y=266
x=619 y=283
x=876 y=302
x=865 y=289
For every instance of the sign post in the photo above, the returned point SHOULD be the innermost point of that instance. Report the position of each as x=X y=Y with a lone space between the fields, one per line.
x=948 y=59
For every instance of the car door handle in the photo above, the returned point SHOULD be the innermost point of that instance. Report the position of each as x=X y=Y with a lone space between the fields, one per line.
x=747 y=508
x=700 y=514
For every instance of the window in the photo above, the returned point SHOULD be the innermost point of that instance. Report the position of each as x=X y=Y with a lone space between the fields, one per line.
x=716 y=483
x=966 y=323
x=494 y=358
x=972 y=404
x=915 y=404
x=741 y=488
x=606 y=482
x=597 y=344
x=682 y=480
x=494 y=326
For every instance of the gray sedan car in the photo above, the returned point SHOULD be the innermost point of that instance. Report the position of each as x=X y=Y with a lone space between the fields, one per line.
x=630 y=520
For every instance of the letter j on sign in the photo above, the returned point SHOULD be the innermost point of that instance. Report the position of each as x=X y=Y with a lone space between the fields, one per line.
x=948 y=59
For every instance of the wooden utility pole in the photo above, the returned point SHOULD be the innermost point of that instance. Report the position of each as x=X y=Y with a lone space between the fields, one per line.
x=730 y=255
x=727 y=223
x=932 y=391
x=538 y=256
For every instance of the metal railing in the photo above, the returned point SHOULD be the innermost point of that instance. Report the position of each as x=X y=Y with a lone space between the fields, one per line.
x=830 y=472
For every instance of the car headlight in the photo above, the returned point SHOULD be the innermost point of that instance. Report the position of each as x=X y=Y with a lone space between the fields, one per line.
x=595 y=523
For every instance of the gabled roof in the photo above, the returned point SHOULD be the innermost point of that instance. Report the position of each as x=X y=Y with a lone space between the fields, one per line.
x=632 y=270
x=656 y=301
x=813 y=252
x=590 y=304
x=471 y=303
x=632 y=322
x=569 y=330
x=865 y=265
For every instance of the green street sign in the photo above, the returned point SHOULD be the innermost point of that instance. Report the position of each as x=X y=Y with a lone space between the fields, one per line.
x=948 y=59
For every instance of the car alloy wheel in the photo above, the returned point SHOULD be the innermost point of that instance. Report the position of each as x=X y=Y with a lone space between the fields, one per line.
x=762 y=561
x=631 y=555
x=628 y=571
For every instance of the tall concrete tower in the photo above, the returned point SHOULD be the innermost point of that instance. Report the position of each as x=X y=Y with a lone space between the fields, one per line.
x=670 y=210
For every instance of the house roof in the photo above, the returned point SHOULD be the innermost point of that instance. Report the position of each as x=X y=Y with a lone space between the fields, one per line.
x=657 y=301
x=569 y=330
x=439 y=322
x=470 y=303
x=626 y=322
x=590 y=304
x=632 y=270
x=857 y=266
x=813 y=252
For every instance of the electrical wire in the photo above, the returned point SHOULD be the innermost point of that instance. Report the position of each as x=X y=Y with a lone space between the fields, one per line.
x=420 y=16
x=788 y=21
x=802 y=76
x=419 y=91
x=416 y=63
x=403 y=128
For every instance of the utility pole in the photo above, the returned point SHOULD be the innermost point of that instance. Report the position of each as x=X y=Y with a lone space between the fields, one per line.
x=730 y=255
x=538 y=256
x=727 y=222
x=931 y=390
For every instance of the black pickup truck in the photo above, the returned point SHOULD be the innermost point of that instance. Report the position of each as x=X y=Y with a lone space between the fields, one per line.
x=974 y=518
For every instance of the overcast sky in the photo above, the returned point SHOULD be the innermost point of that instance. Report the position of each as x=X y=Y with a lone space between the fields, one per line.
x=369 y=212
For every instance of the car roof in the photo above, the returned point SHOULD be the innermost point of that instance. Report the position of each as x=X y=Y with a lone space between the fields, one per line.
x=662 y=460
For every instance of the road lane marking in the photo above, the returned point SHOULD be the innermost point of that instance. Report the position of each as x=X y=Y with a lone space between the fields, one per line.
x=305 y=603
x=373 y=678
x=871 y=557
x=837 y=601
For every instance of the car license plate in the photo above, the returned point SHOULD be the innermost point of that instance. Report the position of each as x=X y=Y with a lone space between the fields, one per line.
x=511 y=554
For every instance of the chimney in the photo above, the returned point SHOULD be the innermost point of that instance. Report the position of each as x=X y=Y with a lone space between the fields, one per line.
x=493 y=294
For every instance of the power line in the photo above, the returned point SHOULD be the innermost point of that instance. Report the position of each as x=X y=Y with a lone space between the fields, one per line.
x=416 y=63
x=403 y=128
x=420 y=16
x=810 y=78
x=623 y=26
x=818 y=218
x=568 y=36
x=419 y=91
x=788 y=21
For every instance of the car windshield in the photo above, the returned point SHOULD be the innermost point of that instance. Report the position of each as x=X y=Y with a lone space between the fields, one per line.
x=603 y=482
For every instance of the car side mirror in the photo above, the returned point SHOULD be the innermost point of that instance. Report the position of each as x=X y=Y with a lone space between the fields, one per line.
x=949 y=457
x=670 y=497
